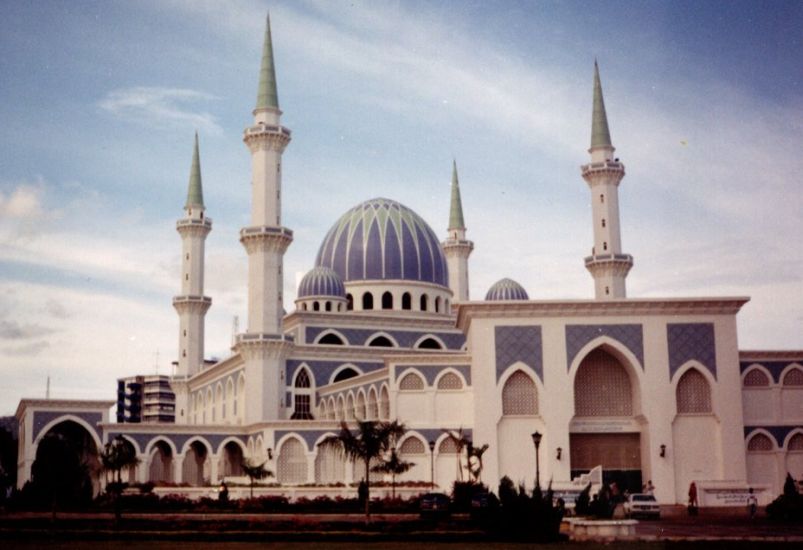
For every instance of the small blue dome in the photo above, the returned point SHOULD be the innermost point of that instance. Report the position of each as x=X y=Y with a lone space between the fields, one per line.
x=381 y=239
x=506 y=289
x=321 y=281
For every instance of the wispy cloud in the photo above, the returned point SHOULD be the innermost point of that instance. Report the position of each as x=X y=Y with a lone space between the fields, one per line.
x=161 y=107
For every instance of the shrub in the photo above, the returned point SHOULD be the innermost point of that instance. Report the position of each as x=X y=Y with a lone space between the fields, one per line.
x=789 y=505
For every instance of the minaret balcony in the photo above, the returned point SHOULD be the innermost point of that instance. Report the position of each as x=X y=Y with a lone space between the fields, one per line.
x=267 y=136
x=258 y=337
x=266 y=238
x=617 y=261
x=605 y=167
x=260 y=129
x=205 y=223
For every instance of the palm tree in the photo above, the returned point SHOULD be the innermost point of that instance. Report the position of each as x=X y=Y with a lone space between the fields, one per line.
x=393 y=465
x=117 y=455
x=461 y=441
x=255 y=472
x=371 y=441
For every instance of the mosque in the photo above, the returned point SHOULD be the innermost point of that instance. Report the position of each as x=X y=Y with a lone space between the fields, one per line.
x=620 y=389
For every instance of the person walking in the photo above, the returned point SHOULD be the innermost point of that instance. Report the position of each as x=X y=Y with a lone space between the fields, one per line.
x=693 y=499
x=752 y=504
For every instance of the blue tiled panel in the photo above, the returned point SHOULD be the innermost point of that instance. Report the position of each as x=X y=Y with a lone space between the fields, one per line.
x=322 y=370
x=43 y=418
x=691 y=341
x=309 y=436
x=144 y=439
x=777 y=432
x=431 y=372
x=519 y=343
x=405 y=338
x=630 y=336
x=774 y=367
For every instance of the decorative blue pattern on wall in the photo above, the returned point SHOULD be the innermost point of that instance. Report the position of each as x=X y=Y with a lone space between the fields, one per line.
x=43 y=418
x=431 y=372
x=213 y=441
x=405 y=338
x=309 y=436
x=519 y=343
x=774 y=367
x=630 y=336
x=322 y=370
x=777 y=432
x=691 y=341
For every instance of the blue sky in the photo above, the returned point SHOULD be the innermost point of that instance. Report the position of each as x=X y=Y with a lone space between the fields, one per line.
x=99 y=102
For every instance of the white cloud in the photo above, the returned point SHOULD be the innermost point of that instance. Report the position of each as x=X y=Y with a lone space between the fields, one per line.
x=161 y=107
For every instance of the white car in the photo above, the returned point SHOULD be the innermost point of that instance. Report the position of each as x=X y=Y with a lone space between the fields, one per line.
x=642 y=504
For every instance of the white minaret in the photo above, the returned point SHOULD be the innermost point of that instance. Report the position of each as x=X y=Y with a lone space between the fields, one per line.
x=456 y=247
x=607 y=264
x=263 y=346
x=191 y=304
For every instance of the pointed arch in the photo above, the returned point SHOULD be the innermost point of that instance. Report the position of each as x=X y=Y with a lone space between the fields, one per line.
x=291 y=464
x=429 y=341
x=609 y=383
x=344 y=372
x=332 y=337
x=756 y=376
x=519 y=394
x=411 y=380
x=360 y=411
x=384 y=403
x=693 y=391
x=69 y=418
x=792 y=376
x=381 y=339
x=450 y=379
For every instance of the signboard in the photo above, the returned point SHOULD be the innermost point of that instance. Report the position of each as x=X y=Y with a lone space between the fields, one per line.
x=604 y=426
x=725 y=497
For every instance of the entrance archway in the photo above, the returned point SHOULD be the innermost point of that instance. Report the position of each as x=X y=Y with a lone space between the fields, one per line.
x=604 y=431
x=160 y=463
x=66 y=464
x=193 y=469
x=231 y=460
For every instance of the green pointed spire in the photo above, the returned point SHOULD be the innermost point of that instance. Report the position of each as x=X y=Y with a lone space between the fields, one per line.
x=267 y=97
x=456 y=209
x=600 y=135
x=195 y=194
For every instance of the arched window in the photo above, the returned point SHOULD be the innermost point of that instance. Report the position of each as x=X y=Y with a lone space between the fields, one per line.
x=412 y=446
x=328 y=306
x=316 y=306
x=424 y=302
x=407 y=301
x=387 y=300
x=796 y=443
x=693 y=393
x=302 y=380
x=519 y=395
x=760 y=442
x=368 y=301
x=793 y=377
x=381 y=342
x=756 y=378
x=332 y=339
x=437 y=304
x=429 y=343
x=292 y=463
x=602 y=387
x=345 y=374
x=450 y=381
x=411 y=382
x=372 y=407
x=359 y=407
x=448 y=447
x=349 y=302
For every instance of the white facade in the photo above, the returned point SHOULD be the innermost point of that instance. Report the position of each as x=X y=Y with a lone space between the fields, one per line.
x=622 y=389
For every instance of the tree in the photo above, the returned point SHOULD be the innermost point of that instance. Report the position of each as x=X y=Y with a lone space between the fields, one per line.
x=393 y=465
x=474 y=462
x=369 y=442
x=117 y=455
x=461 y=441
x=255 y=472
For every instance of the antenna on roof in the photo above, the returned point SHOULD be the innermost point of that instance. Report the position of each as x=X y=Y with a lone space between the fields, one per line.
x=235 y=328
x=47 y=389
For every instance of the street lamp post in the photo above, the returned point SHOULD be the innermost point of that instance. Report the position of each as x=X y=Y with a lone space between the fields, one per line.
x=537 y=442
x=431 y=465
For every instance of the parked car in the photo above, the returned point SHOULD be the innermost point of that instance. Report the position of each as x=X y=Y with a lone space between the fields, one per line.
x=642 y=505
x=434 y=505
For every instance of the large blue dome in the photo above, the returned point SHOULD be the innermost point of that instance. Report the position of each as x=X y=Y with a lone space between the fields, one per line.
x=382 y=239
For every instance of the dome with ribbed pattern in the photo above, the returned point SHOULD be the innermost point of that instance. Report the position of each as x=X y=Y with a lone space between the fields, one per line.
x=506 y=289
x=321 y=281
x=381 y=239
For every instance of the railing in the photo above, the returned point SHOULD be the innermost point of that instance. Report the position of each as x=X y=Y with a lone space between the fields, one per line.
x=265 y=230
x=206 y=222
x=267 y=129
x=608 y=258
x=250 y=337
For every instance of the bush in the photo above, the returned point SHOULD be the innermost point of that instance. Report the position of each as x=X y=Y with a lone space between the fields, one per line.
x=463 y=492
x=789 y=505
x=525 y=517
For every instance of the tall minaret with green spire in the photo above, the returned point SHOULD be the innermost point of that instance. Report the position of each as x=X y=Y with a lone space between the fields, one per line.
x=191 y=304
x=263 y=346
x=456 y=247
x=607 y=264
